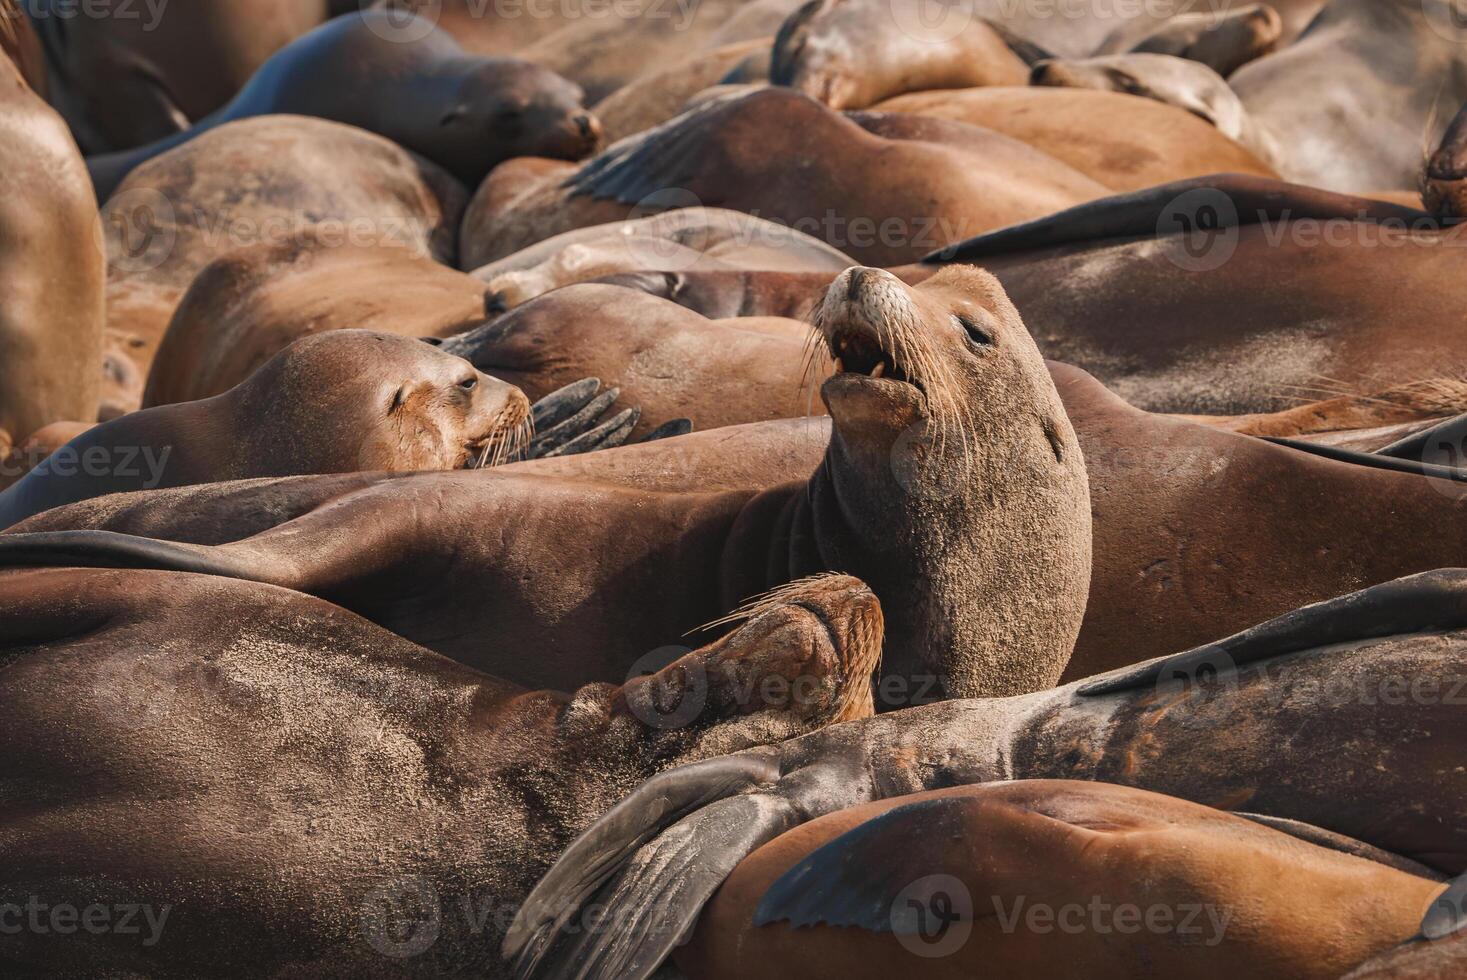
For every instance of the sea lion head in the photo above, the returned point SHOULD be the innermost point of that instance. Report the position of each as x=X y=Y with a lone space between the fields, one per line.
x=1444 y=182
x=349 y=400
x=509 y=108
x=959 y=492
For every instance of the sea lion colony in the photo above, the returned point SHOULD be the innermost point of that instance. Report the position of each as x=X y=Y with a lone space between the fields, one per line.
x=859 y=488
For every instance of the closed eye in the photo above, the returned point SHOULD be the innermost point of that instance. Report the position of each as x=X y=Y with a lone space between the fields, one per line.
x=977 y=336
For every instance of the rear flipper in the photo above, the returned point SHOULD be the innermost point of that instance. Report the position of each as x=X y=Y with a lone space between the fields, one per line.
x=1427 y=602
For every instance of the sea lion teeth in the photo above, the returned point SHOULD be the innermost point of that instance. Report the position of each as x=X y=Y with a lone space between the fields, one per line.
x=879 y=369
x=840 y=368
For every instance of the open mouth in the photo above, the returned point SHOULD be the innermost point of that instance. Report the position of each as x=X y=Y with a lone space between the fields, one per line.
x=857 y=351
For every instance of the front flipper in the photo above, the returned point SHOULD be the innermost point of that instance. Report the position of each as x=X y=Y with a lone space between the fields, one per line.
x=1398 y=462
x=1426 y=602
x=1212 y=203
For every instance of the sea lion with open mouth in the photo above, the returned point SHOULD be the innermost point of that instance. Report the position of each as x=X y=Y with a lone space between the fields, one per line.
x=1025 y=879
x=874 y=185
x=951 y=478
x=285 y=772
x=271 y=180
x=333 y=403
x=1337 y=723
x=420 y=90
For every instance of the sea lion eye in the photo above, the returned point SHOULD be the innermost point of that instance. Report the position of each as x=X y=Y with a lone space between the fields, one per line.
x=469 y=384
x=977 y=336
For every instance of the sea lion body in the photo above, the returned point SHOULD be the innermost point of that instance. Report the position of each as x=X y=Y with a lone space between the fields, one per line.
x=507 y=540
x=425 y=93
x=1044 y=874
x=1324 y=691
x=873 y=185
x=191 y=706
x=337 y=402
x=305 y=177
x=1223 y=42
x=657 y=96
x=247 y=305
x=52 y=271
x=145 y=71
x=1121 y=141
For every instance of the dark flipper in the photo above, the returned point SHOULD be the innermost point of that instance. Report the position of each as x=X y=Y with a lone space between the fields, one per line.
x=548 y=440
x=536 y=939
x=668 y=430
x=1415 y=604
x=563 y=403
x=1396 y=462
x=1445 y=443
x=1339 y=842
x=1029 y=52
x=607 y=435
x=110 y=549
x=1230 y=200
x=1448 y=914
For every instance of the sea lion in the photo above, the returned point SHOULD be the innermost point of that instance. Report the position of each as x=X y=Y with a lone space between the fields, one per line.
x=22 y=45
x=1180 y=510
x=1400 y=62
x=1032 y=877
x=1173 y=81
x=850 y=55
x=265 y=180
x=1420 y=958
x=1121 y=141
x=249 y=304
x=1223 y=42
x=1227 y=295
x=935 y=379
x=1232 y=725
x=285 y=771
x=124 y=74
x=330 y=403
x=878 y=185
x=657 y=96
x=674 y=241
x=51 y=269
x=423 y=92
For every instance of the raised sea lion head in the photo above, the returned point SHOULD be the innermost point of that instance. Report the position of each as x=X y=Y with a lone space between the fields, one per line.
x=509 y=108
x=1444 y=182
x=358 y=400
x=953 y=483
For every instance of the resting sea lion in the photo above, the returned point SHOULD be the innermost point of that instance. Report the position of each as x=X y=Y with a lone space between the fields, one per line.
x=246 y=306
x=144 y=71
x=982 y=560
x=851 y=54
x=1226 y=295
x=678 y=240
x=1397 y=62
x=657 y=96
x=285 y=772
x=266 y=180
x=1232 y=725
x=335 y=402
x=871 y=185
x=1029 y=878
x=1419 y=958
x=464 y=113
x=1178 y=82
x=1223 y=42
x=51 y=269
x=1123 y=142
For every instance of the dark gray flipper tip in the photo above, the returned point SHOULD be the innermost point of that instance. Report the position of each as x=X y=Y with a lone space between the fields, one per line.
x=563 y=403
x=668 y=430
x=607 y=435
x=1447 y=915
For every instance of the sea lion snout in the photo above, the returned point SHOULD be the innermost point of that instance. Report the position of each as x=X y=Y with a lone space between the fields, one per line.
x=1442 y=184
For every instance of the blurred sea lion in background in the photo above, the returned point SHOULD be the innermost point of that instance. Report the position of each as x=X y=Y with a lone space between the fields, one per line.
x=264 y=180
x=420 y=90
x=52 y=271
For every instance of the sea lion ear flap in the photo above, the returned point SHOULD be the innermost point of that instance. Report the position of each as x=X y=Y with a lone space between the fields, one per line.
x=399 y=399
x=453 y=114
